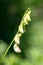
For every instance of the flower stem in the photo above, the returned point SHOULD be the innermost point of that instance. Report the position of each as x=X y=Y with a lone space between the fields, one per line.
x=7 y=49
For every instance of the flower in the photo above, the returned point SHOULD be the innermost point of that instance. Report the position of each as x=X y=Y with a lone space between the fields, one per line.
x=26 y=17
x=28 y=11
x=21 y=29
x=17 y=38
x=16 y=48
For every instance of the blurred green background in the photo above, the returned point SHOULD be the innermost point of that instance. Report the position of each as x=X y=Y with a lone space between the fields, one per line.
x=11 y=12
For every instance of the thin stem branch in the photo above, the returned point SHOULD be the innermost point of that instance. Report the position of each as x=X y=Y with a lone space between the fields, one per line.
x=7 y=49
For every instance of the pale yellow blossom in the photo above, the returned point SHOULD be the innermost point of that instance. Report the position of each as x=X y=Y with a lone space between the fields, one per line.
x=17 y=38
x=21 y=29
x=26 y=18
x=16 y=48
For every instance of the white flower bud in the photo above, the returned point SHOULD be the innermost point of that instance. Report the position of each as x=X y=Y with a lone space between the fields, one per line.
x=16 y=48
x=28 y=11
x=27 y=18
x=21 y=29
x=17 y=38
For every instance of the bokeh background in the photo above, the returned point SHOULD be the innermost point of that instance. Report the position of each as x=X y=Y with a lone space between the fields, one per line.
x=11 y=12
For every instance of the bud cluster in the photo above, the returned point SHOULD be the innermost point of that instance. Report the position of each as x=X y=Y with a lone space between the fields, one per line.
x=21 y=29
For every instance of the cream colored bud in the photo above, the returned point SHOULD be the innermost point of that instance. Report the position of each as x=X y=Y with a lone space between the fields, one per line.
x=17 y=38
x=28 y=18
x=16 y=48
x=29 y=12
x=21 y=29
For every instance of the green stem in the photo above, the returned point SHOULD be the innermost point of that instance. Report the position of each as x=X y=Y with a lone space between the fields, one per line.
x=7 y=49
